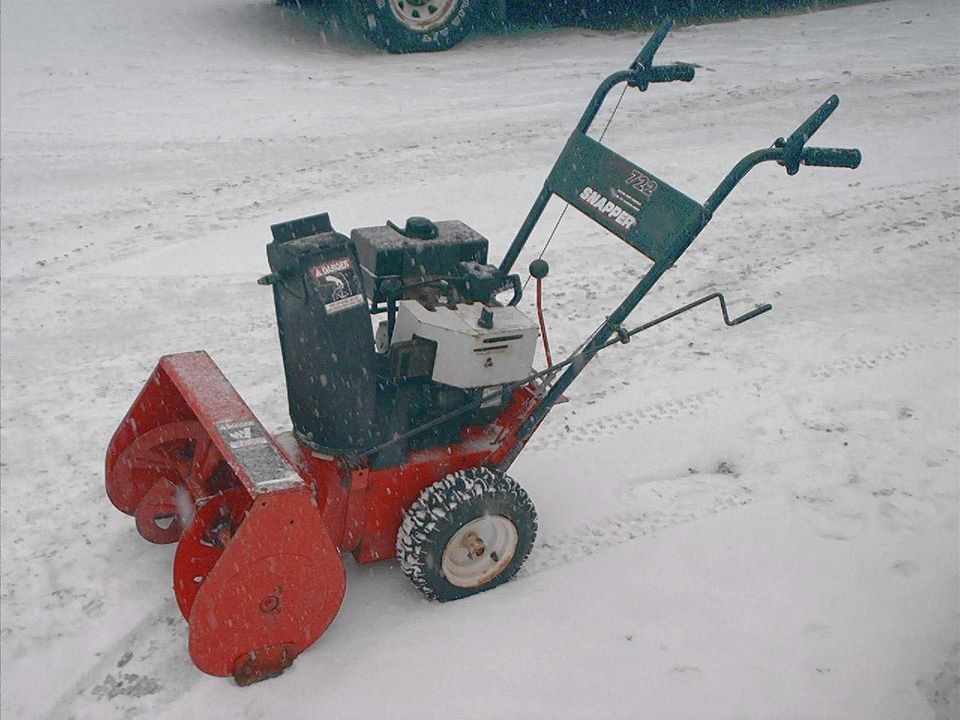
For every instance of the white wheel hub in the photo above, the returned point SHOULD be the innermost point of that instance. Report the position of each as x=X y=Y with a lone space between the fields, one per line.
x=421 y=15
x=479 y=551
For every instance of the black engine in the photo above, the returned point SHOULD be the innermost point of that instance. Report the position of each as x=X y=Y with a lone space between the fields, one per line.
x=344 y=396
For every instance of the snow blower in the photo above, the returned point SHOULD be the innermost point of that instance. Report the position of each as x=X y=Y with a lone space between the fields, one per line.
x=402 y=436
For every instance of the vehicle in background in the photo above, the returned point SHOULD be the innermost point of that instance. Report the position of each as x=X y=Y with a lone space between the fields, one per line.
x=416 y=25
x=403 y=26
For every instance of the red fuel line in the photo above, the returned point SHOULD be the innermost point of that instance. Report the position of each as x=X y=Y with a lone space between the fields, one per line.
x=543 y=325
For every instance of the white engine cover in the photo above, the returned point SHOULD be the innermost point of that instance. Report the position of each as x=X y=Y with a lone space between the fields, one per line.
x=468 y=355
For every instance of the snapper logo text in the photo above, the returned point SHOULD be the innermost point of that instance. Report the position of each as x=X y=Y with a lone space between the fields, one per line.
x=608 y=208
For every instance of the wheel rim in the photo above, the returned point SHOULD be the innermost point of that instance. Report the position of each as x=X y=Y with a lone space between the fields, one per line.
x=479 y=551
x=421 y=15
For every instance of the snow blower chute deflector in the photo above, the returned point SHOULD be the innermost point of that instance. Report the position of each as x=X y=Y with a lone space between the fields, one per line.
x=401 y=438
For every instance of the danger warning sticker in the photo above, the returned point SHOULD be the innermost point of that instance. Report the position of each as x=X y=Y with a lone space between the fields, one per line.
x=338 y=285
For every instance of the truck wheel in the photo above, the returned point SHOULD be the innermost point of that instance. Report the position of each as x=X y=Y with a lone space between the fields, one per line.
x=469 y=532
x=402 y=26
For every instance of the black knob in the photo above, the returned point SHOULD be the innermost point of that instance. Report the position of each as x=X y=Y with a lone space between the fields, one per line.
x=420 y=228
x=539 y=268
x=391 y=289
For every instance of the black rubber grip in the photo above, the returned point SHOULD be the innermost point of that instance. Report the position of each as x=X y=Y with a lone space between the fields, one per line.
x=645 y=58
x=813 y=123
x=670 y=73
x=832 y=157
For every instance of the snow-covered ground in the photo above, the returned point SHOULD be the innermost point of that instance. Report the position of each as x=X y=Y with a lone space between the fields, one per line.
x=758 y=522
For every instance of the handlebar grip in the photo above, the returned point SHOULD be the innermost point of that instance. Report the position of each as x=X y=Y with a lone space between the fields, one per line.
x=645 y=58
x=670 y=73
x=813 y=123
x=832 y=157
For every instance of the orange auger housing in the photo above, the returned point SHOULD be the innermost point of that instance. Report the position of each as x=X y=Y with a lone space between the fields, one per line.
x=261 y=521
x=256 y=573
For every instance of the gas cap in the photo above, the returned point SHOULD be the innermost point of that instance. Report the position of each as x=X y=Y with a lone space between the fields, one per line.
x=420 y=228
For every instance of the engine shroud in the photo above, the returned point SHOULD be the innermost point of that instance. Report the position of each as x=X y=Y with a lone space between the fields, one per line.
x=469 y=355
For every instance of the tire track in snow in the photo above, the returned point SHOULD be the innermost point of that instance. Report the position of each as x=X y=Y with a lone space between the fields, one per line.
x=590 y=430
x=573 y=432
x=868 y=361
x=930 y=211
x=657 y=506
x=147 y=666
x=667 y=503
